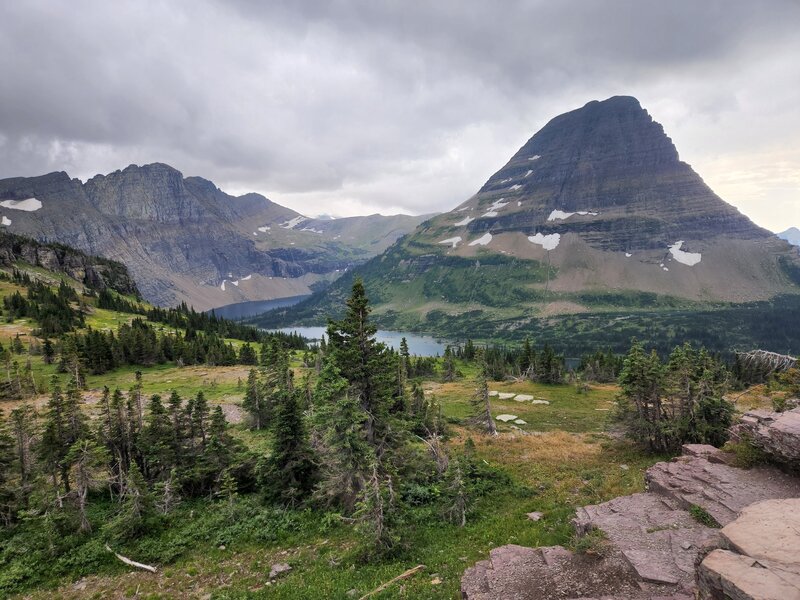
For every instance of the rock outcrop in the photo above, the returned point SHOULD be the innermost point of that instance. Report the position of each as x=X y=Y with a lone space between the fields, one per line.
x=94 y=272
x=777 y=434
x=655 y=539
x=758 y=557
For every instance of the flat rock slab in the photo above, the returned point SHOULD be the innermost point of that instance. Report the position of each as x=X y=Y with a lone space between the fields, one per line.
x=660 y=541
x=550 y=573
x=726 y=575
x=768 y=530
x=721 y=490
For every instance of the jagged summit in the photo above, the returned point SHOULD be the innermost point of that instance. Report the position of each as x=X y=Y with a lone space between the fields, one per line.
x=184 y=239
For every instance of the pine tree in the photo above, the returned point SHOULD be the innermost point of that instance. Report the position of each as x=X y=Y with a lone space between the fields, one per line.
x=345 y=454
x=137 y=504
x=247 y=356
x=48 y=352
x=88 y=463
x=290 y=472
x=64 y=425
x=6 y=461
x=156 y=441
x=481 y=406
x=448 y=366
x=253 y=402
x=457 y=493
x=23 y=430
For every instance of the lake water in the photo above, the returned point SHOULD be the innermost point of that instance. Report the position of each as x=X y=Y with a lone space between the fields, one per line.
x=421 y=345
x=242 y=310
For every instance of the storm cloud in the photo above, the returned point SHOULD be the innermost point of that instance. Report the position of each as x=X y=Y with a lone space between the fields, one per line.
x=395 y=106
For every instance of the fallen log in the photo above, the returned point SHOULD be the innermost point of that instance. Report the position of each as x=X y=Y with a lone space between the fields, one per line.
x=404 y=575
x=131 y=563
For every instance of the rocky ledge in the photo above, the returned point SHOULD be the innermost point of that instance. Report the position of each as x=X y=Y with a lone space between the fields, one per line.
x=777 y=434
x=758 y=556
x=655 y=540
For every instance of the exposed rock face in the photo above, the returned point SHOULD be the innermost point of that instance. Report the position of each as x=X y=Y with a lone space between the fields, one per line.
x=185 y=240
x=94 y=272
x=655 y=542
x=777 y=434
x=758 y=557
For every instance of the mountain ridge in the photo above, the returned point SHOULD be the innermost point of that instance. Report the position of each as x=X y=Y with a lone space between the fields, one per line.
x=184 y=239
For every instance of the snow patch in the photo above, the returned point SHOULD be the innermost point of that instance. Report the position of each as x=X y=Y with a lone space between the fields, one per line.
x=557 y=215
x=293 y=223
x=248 y=278
x=464 y=221
x=506 y=418
x=28 y=205
x=628 y=255
x=6 y=221
x=491 y=213
x=463 y=208
x=535 y=157
x=686 y=258
x=236 y=283
x=453 y=241
x=254 y=233
x=482 y=241
x=548 y=242
x=312 y=230
x=222 y=287
x=516 y=186
x=519 y=203
x=528 y=174
x=264 y=229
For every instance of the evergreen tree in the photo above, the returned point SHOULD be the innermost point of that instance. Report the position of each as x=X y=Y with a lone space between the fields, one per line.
x=448 y=366
x=253 y=402
x=345 y=453
x=88 y=463
x=6 y=461
x=290 y=472
x=247 y=356
x=481 y=406
x=64 y=425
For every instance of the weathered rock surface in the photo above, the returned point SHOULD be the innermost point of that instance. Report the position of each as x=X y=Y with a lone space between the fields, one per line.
x=721 y=490
x=759 y=555
x=654 y=542
x=777 y=434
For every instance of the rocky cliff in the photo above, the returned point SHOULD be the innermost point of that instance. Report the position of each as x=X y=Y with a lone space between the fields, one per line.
x=94 y=272
x=186 y=240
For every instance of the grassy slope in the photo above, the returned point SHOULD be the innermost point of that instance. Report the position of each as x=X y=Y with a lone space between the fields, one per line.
x=566 y=463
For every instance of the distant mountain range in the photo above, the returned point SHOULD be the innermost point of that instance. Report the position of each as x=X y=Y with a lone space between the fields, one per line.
x=791 y=235
x=594 y=224
x=183 y=239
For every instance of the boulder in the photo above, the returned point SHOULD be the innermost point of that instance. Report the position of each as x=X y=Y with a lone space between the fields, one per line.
x=777 y=434
x=758 y=557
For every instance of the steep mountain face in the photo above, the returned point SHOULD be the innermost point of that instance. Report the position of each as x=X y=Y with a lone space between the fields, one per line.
x=791 y=235
x=596 y=212
x=186 y=240
x=92 y=271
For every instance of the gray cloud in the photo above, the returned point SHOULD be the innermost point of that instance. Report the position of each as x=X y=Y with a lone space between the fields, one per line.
x=391 y=106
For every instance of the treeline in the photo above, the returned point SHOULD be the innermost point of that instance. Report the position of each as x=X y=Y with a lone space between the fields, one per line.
x=185 y=317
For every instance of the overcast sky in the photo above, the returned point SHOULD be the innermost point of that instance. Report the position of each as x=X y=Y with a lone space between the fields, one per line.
x=393 y=106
